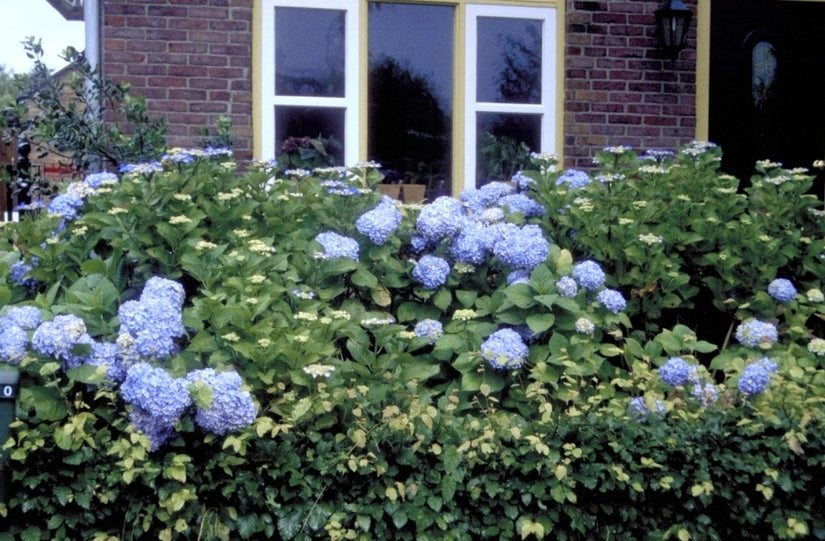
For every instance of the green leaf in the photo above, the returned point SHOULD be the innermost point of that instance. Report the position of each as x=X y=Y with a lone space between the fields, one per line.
x=540 y=322
x=520 y=295
x=364 y=278
x=442 y=299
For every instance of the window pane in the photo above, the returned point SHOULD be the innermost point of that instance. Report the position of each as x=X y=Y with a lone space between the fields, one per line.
x=309 y=52
x=322 y=123
x=410 y=92
x=504 y=144
x=509 y=60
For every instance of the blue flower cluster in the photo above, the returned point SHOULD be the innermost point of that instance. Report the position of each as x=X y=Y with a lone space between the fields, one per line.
x=473 y=244
x=380 y=222
x=96 y=180
x=431 y=271
x=231 y=407
x=573 y=178
x=567 y=287
x=675 y=371
x=756 y=376
x=521 y=247
x=522 y=203
x=155 y=321
x=612 y=300
x=336 y=245
x=439 y=219
x=505 y=350
x=589 y=275
x=782 y=290
x=19 y=275
x=431 y=329
x=159 y=400
x=488 y=195
x=25 y=317
x=66 y=205
x=13 y=342
x=756 y=333
x=60 y=338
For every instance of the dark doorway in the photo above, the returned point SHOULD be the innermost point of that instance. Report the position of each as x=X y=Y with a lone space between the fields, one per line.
x=766 y=102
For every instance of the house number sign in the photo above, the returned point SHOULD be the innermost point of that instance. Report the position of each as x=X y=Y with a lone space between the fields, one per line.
x=8 y=384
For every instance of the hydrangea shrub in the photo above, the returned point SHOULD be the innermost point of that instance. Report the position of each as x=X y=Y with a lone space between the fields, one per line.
x=241 y=351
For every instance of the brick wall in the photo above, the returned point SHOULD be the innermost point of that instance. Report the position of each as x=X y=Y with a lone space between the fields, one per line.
x=190 y=59
x=620 y=89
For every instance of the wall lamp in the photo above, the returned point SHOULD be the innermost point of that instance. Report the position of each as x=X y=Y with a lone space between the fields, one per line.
x=672 y=23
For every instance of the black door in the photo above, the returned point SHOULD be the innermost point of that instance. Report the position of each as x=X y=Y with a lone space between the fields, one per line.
x=767 y=59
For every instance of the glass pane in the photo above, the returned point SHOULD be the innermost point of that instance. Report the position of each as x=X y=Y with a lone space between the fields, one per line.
x=509 y=60
x=309 y=52
x=763 y=62
x=303 y=128
x=504 y=144
x=410 y=93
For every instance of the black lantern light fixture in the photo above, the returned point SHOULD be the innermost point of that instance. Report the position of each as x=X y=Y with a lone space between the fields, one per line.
x=672 y=23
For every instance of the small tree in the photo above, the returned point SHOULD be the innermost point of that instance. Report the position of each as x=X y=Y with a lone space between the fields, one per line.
x=90 y=121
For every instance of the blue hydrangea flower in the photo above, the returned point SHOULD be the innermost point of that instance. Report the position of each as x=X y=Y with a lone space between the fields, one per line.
x=66 y=205
x=59 y=337
x=164 y=289
x=96 y=180
x=336 y=245
x=108 y=354
x=520 y=202
x=13 y=342
x=18 y=274
x=488 y=216
x=141 y=168
x=612 y=300
x=756 y=333
x=157 y=430
x=430 y=329
x=155 y=324
x=25 y=317
x=782 y=290
x=756 y=377
x=161 y=398
x=706 y=393
x=675 y=371
x=505 y=350
x=521 y=247
x=473 y=245
x=522 y=181
x=231 y=407
x=567 y=287
x=441 y=218
x=431 y=271
x=589 y=275
x=518 y=276
x=488 y=195
x=380 y=222
x=574 y=179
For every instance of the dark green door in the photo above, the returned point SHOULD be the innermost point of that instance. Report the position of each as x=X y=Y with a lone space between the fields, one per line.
x=766 y=99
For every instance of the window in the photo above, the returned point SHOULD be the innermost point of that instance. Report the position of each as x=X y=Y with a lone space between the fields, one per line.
x=309 y=82
x=435 y=91
x=509 y=88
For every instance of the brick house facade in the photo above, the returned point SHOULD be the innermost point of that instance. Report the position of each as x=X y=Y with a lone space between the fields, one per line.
x=193 y=61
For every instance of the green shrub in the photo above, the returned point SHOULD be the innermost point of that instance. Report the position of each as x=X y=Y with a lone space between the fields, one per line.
x=411 y=377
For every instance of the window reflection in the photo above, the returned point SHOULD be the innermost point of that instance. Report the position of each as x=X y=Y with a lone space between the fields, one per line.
x=504 y=144
x=325 y=124
x=309 y=52
x=763 y=63
x=410 y=92
x=509 y=60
